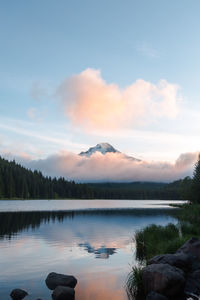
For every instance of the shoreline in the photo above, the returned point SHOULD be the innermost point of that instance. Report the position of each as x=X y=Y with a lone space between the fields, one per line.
x=158 y=245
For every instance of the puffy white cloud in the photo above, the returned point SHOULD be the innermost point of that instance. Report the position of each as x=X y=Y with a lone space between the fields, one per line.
x=113 y=167
x=93 y=104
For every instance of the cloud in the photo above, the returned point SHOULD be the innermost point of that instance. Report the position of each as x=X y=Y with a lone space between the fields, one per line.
x=48 y=139
x=19 y=156
x=93 y=104
x=113 y=167
x=36 y=115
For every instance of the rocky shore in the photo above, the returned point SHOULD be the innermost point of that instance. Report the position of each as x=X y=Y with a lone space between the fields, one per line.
x=174 y=276
x=61 y=285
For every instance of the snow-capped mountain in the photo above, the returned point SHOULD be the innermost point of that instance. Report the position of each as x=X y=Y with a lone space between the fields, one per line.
x=104 y=148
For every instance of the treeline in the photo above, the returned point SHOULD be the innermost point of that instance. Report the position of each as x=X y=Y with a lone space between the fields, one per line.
x=140 y=190
x=19 y=182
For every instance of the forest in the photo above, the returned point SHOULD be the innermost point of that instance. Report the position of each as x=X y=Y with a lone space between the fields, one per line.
x=21 y=183
x=138 y=190
x=17 y=182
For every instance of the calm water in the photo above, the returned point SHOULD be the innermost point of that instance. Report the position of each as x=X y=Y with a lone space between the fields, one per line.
x=92 y=240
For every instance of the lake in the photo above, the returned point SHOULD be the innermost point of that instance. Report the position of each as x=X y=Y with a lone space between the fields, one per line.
x=90 y=239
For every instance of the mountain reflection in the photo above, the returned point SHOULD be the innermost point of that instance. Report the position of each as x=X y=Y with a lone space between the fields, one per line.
x=101 y=252
x=12 y=223
x=95 y=245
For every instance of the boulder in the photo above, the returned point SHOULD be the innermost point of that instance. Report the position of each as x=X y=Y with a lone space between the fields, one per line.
x=192 y=286
x=155 y=296
x=54 y=279
x=195 y=265
x=191 y=247
x=63 y=293
x=18 y=294
x=164 y=279
x=179 y=260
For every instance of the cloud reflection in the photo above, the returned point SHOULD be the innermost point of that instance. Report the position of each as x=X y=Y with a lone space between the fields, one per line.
x=102 y=286
x=36 y=243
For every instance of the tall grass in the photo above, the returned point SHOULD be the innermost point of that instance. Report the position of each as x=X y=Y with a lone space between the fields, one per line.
x=134 y=284
x=190 y=213
x=154 y=240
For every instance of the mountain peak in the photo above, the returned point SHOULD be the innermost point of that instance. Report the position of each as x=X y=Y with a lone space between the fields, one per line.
x=101 y=147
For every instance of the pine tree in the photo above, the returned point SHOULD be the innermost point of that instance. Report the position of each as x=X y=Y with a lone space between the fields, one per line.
x=195 y=190
x=1 y=186
x=24 y=193
x=11 y=185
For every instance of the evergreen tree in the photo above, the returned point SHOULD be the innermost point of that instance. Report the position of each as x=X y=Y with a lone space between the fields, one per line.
x=1 y=186
x=195 y=189
x=185 y=188
x=19 y=182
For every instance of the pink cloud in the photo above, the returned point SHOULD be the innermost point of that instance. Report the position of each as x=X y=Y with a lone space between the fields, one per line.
x=90 y=102
x=113 y=167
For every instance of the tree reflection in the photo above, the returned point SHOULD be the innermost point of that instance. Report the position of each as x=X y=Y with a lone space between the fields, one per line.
x=12 y=223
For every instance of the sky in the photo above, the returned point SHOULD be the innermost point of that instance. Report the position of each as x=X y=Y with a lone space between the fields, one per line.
x=77 y=73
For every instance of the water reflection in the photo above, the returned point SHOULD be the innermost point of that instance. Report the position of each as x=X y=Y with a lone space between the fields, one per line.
x=32 y=244
x=67 y=205
x=12 y=223
x=102 y=285
x=101 y=252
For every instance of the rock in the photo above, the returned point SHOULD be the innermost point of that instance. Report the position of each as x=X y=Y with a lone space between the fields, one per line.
x=63 y=293
x=179 y=260
x=191 y=247
x=53 y=280
x=18 y=294
x=155 y=296
x=164 y=279
x=195 y=265
x=192 y=285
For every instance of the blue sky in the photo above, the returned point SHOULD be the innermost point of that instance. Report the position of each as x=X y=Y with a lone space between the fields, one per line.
x=44 y=43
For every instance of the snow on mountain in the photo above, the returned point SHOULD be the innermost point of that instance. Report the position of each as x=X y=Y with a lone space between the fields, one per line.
x=104 y=148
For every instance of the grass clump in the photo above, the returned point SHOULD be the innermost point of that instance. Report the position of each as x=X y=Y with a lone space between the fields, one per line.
x=188 y=229
x=154 y=240
x=134 y=284
x=190 y=213
x=175 y=244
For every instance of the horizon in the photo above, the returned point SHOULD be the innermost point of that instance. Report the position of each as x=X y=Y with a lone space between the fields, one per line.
x=110 y=165
x=90 y=72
